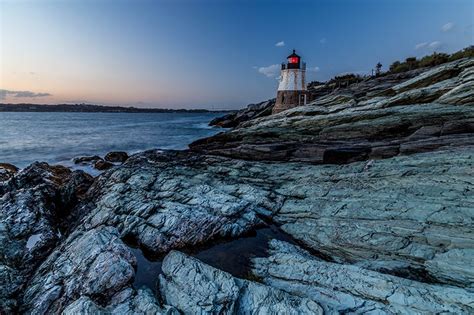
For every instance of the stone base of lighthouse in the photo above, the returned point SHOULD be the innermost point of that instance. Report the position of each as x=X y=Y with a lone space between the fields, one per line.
x=289 y=99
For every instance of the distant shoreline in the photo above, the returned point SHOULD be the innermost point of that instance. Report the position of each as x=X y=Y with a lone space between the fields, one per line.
x=88 y=108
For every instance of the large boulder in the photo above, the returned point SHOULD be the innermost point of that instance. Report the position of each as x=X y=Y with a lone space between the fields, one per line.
x=7 y=171
x=34 y=207
x=102 y=165
x=116 y=157
x=95 y=263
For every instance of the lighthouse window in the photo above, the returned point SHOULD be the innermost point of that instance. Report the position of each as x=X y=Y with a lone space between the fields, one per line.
x=294 y=60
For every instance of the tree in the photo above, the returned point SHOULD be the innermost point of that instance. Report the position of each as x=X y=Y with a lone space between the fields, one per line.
x=412 y=63
x=394 y=66
x=378 y=69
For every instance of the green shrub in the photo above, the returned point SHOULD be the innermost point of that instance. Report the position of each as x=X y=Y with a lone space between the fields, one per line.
x=432 y=60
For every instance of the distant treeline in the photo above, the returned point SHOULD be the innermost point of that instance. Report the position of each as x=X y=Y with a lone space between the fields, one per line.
x=91 y=109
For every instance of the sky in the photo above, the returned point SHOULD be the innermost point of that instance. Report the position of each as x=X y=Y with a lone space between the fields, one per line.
x=207 y=54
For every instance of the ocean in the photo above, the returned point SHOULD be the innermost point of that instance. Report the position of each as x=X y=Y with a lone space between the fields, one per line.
x=57 y=138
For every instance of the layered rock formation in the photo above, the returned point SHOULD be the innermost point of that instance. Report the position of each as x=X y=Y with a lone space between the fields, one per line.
x=342 y=288
x=374 y=184
x=252 y=111
x=346 y=126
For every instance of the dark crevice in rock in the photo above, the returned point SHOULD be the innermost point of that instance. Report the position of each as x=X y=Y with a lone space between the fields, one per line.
x=232 y=255
x=417 y=274
x=345 y=155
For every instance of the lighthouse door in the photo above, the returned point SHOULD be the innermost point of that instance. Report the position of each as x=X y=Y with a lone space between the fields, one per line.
x=302 y=99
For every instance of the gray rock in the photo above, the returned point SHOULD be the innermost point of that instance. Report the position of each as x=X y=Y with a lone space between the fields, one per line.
x=116 y=157
x=94 y=264
x=172 y=200
x=32 y=205
x=129 y=301
x=195 y=288
x=412 y=211
x=252 y=111
x=463 y=93
x=7 y=171
x=350 y=289
x=434 y=75
x=366 y=198
x=102 y=165
x=86 y=159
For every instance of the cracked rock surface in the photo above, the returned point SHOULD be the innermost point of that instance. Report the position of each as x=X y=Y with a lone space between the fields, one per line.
x=33 y=204
x=341 y=288
x=374 y=183
x=196 y=288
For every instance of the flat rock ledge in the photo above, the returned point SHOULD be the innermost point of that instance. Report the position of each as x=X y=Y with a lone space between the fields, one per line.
x=340 y=288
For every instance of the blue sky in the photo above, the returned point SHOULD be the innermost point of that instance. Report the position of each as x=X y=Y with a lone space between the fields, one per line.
x=207 y=54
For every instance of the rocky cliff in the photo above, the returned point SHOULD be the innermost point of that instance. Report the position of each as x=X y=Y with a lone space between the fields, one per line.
x=371 y=187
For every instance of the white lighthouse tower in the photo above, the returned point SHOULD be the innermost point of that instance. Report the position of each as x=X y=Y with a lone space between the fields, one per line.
x=292 y=87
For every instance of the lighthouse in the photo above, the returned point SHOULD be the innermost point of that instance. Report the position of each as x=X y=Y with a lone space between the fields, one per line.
x=292 y=87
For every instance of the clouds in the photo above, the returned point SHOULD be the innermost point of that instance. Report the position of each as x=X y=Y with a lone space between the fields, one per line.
x=421 y=45
x=280 y=44
x=425 y=45
x=270 y=71
x=313 y=69
x=447 y=27
x=435 y=44
x=24 y=94
x=322 y=41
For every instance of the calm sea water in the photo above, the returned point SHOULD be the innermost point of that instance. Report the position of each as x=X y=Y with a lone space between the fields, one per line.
x=59 y=137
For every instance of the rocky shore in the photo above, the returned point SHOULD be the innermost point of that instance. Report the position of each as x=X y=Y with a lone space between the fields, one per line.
x=372 y=186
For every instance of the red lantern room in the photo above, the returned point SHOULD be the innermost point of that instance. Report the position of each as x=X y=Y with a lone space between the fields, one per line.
x=293 y=61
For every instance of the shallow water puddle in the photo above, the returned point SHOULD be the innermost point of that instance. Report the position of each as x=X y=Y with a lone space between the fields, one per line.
x=147 y=270
x=233 y=256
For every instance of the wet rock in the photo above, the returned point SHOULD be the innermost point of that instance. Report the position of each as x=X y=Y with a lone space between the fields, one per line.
x=11 y=282
x=169 y=200
x=116 y=157
x=7 y=171
x=87 y=159
x=250 y=112
x=102 y=165
x=94 y=263
x=341 y=288
x=128 y=301
x=32 y=204
x=195 y=288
